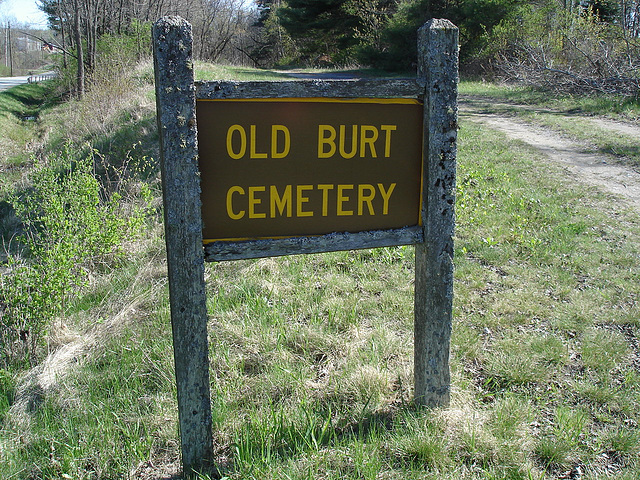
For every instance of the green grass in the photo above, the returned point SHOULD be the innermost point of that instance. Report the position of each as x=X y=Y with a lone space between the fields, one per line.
x=610 y=105
x=209 y=72
x=20 y=109
x=311 y=356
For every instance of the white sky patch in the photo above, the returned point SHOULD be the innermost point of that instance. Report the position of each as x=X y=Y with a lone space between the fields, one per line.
x=22 y=12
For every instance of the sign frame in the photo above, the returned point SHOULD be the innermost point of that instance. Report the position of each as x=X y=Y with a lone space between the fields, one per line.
x=436 y=85
x=309 y=89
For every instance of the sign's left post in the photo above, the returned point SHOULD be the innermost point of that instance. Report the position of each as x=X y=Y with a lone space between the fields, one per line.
x=175 y=103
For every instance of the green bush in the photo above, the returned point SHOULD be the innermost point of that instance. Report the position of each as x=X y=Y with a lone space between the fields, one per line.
x=72 y=226
x=128 y=48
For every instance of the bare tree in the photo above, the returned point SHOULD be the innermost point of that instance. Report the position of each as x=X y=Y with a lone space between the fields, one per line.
x=81 y=23
x=595 y=57
x=217 y=23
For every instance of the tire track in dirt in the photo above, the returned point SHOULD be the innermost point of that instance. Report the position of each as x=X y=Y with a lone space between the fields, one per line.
x=479 y=104
x=584 y=165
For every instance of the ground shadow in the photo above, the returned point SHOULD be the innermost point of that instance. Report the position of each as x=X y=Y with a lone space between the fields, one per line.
x=32 y=99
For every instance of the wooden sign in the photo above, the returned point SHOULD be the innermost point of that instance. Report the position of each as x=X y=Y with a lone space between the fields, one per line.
x=347 y=164
x=273 y=168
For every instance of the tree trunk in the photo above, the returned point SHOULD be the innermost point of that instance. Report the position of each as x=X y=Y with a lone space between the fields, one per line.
x=63 y=35
x=79 y=52
x=10 y=50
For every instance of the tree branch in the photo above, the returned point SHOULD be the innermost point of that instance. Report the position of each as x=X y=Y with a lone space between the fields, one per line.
x=48 y=43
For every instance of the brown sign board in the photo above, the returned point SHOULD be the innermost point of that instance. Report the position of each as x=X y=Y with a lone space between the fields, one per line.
x=288 y=167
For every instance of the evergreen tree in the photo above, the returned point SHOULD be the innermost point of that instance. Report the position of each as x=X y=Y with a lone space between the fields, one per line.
x=271 y=43
x=336 y=29
x=604 y=10
x=474 y=18
x=320 y=27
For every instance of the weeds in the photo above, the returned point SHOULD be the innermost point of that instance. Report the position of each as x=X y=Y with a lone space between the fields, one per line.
x=71 y=226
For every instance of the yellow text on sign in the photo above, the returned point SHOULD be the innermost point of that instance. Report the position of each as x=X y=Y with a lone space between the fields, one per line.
x=364 y=139
x=293 y=200
x=238 y=142
x=347 y=141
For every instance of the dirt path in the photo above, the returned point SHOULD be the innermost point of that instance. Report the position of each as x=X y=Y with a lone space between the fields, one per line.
x=585 y=166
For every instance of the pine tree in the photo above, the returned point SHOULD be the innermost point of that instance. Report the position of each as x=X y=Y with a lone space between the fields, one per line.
x=321 y=28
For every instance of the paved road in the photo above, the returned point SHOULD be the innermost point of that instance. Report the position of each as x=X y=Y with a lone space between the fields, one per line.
x=8 y=82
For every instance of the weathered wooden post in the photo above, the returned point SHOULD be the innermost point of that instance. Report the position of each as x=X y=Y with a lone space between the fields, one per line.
x=175 y=97
x=438 y=75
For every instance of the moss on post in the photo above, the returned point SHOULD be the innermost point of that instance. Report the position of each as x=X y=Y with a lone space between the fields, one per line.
x=175 y=97
x=438 y=74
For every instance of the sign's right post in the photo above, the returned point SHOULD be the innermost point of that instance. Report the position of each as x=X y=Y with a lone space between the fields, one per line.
x=438 y=75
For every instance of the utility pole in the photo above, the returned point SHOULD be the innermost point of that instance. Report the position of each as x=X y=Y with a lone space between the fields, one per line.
x=10 y=49
x=6 y=47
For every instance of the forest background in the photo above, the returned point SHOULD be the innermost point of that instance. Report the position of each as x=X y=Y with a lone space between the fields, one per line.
x=568 y=45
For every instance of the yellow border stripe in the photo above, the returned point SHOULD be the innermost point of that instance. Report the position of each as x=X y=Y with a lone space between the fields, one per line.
x=379 y=101
x=384 y=101
x=245 y=239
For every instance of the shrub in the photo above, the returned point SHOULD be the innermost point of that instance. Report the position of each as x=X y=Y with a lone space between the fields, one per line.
x=71 y=226
x=567 y=51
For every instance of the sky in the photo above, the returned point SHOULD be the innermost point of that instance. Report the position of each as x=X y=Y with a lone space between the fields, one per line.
x=22 y=11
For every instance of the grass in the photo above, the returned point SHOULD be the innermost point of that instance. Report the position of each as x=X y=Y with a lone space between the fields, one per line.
x=20 y=109
x=311 y=356
x=207 y=71
x=610 y=105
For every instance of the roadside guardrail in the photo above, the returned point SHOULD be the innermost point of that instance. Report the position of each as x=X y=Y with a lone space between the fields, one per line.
x=42 y=77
